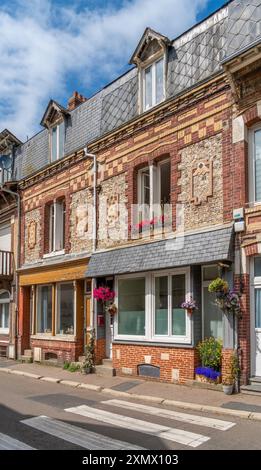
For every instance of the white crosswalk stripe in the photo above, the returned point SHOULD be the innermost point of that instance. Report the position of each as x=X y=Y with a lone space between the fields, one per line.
x=76 y=435
x=163 y=432
x=9 y=443
x=175 y=415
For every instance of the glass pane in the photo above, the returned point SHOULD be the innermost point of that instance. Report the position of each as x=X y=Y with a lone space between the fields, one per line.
x=210 y=272
x=257 y=263
x=165 y=183
x=61 y=140
x=54 y=144
x=258 y=308
x=146 y=187
x=131 y=315
x=59 y=225
x=51 y=228
x=65 y=309
x=6 y=315
x=44 y=309
x=213 y=325
x=178 y=314
x=148 y=87
x=161 y=305
x=159 y=81
x=257 y=144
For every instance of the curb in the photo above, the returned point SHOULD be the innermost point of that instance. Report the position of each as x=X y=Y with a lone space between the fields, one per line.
x=253 y=416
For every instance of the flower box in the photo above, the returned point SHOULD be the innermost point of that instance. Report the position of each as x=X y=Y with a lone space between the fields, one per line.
x=207 y=375
x=206 y=380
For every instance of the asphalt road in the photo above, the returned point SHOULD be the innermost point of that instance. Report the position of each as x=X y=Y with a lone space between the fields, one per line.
x=40 y=415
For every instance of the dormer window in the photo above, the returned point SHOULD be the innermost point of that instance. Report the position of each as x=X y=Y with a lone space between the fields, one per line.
x=57 y=142
x=153 y=84
x=150 y=57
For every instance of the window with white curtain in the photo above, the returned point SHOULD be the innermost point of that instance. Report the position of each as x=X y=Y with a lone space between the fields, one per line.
x=56 y=215
x=255 y=164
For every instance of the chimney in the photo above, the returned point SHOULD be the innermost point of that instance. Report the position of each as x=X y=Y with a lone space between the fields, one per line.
x=75 y=100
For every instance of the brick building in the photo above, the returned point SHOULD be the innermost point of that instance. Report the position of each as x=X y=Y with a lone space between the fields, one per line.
x=134 y=188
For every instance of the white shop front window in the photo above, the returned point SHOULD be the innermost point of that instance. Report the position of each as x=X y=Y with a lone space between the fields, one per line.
x=149 y=307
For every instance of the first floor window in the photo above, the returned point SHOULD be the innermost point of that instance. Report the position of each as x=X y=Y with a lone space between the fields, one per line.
x=56 y=220
x=150 y=307
x=57 y=141
x=55 y=305
x=65 y=309
x=44 y=309
x=4 y=311
x=131 y=293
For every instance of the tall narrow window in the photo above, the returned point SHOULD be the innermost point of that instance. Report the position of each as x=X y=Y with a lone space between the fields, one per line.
x=56 y=225
x=154 y=185
x=57 y=142
x=65 y=309
x=44 y=309
x=131 y=312
x=153 y=85
x=4 y=311
x=161 y=305
x=257 y=163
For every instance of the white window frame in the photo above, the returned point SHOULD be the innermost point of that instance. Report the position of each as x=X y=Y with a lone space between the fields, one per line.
x=57 y=284
x=154 y=191
x=153 y=80
x=150 y=308
x=56 y=252
x=5 y=331
x=251 y=162
x=58 y=130
x=255 y=283
x=43 y=333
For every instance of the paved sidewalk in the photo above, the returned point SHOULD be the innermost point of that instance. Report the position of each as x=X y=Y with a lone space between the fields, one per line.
x=183 y=396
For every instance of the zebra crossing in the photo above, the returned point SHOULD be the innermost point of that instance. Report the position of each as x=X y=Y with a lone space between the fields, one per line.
x=86 y=439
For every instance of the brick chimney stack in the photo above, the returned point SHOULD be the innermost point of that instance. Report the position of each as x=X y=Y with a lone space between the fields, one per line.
x=75 y=100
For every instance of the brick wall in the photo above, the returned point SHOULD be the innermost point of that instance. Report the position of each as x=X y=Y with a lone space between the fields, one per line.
x=244 y=327
x=100 y=350
x=68 y=351
x=176 y=364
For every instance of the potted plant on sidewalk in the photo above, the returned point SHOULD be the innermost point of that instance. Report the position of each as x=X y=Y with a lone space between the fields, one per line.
x=89 y=361
x=210 y=353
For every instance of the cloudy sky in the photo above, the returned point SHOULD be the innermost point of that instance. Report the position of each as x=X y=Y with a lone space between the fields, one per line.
x=49 y=48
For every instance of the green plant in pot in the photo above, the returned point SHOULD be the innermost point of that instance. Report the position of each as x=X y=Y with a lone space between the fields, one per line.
x=89 y=362
x=229 y=380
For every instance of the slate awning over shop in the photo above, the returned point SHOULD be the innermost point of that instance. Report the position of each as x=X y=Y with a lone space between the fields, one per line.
x=198 y=248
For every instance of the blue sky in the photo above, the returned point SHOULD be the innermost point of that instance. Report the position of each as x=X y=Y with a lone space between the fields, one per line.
x=49 y=48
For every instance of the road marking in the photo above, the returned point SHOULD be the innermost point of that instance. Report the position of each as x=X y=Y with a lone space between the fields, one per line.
x=126 y=422
x=9 y=443
x=76 y=435
x=163 y=413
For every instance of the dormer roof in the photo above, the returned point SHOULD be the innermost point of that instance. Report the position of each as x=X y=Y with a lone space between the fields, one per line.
x=146 y=42
x=53 y=111
x=8 y=140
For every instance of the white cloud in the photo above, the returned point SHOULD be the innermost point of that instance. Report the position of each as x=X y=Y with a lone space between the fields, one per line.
x=43 y=44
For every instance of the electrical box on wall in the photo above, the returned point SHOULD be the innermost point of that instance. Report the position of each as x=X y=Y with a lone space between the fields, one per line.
x=239 y=226
x=238 y=216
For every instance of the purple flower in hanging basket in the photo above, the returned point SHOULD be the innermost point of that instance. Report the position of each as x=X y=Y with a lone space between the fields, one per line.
x=189 y=304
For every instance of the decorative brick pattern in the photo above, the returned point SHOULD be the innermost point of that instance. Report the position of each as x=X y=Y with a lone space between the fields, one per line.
x=32 y=254
x=81 y=221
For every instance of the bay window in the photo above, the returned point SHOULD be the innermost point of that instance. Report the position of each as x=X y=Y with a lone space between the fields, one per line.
x=57 y=142
x=4 y=311
x=153 y=84
x=149 y=307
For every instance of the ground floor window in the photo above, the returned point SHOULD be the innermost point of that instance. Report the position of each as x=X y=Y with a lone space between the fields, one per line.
x=4 y=311
x=212 y=314
x=149 y=307
x=55 y=309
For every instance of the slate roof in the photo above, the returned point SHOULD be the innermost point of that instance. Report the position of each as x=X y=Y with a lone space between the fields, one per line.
x=199 y=248
x=193 y=57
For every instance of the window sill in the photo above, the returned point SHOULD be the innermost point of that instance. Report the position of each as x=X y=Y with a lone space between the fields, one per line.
x=54 y=253
x=160 y=344
x=155 y=340
x=49 y=337
x=4 y=331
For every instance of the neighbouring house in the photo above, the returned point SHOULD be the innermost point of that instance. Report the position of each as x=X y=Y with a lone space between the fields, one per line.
x=151 y=189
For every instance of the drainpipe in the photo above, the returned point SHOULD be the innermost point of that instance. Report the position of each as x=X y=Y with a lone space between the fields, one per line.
x=17 y=195
x=94 y=227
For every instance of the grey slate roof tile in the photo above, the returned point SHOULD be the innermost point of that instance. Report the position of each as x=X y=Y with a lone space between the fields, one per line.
x=215 y=245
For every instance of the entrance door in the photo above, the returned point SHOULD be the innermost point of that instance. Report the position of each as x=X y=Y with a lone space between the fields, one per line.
x=109 y=335
x=258 y=331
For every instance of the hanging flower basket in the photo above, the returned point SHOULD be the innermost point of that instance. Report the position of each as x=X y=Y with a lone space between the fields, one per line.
x=227 y=300
x=104 y=294
x=112 y=309
x=189 y=305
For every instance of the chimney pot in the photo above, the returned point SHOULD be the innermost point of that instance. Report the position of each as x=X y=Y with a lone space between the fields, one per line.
x=75 y=100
